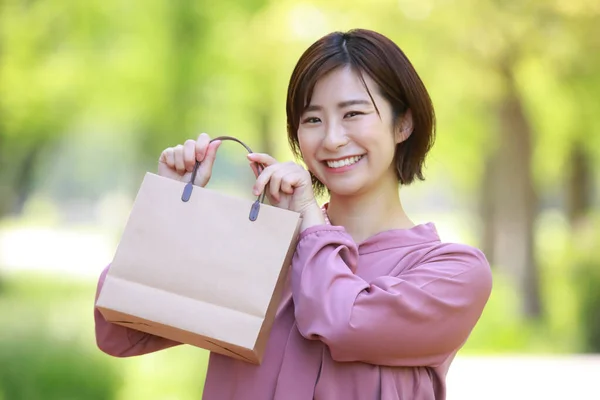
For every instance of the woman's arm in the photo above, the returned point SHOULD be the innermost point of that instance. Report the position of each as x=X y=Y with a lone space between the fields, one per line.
x=120 y=341
x=419 y=318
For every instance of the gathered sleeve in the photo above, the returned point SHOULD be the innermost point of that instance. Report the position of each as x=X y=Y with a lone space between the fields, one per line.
x=120 y=341
x=418 y=318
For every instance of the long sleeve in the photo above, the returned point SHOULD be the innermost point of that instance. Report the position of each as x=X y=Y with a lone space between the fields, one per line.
x=418 y=318
x=120 y=341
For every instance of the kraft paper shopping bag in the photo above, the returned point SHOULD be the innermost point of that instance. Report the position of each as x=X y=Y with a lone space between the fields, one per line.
x=200 y=267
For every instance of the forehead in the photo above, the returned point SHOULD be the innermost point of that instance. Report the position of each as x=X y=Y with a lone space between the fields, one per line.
x=342 y=84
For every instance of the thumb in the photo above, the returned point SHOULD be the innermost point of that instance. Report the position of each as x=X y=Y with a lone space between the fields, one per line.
x=210 y=156
x=254 y=168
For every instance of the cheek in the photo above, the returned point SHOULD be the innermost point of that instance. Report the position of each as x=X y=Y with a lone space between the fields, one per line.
x=372 y=133
x=302 y=143
x=308 y=145
x=307 y=139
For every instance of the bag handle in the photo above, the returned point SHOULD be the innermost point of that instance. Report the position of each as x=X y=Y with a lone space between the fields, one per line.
x=189 y=187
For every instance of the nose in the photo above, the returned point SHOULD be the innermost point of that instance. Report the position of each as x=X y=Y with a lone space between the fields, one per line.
x=335 y=137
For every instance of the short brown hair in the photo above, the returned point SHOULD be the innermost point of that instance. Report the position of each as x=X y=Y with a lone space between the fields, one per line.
x=372 y=53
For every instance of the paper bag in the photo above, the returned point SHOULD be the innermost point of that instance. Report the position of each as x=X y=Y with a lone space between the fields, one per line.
x=200 y=267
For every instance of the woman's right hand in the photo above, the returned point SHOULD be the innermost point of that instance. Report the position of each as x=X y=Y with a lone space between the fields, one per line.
x=178 y=162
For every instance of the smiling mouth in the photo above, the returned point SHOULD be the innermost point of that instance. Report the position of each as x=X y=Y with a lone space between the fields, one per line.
x=344 y=162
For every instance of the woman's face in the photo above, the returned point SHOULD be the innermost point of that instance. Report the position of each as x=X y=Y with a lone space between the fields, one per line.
x=344 y=142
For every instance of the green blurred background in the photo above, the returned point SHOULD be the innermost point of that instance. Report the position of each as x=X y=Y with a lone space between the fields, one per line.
x=92 y=91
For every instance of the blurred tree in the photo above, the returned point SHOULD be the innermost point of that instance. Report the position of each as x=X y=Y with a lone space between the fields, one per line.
x=523 y=45
x=515 y=198
x=123 y=84
x=581 y=79
x=580 y=184
x=36 y=97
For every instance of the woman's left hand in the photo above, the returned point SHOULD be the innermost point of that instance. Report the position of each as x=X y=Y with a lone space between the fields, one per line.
x=287 y=185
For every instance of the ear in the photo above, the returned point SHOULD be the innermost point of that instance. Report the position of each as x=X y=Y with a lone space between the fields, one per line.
x=404 y=127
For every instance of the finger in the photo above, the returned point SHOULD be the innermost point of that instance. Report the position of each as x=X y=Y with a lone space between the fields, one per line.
x=167 y=157
x=205 y=170
x=201 y=146
x=189 y=154
x=254 y=168
x=210 y=156
x=262 y=180
x=290 y=181
x=275 y=185
x=179 y=162
x=262 y=158
x=287 y=184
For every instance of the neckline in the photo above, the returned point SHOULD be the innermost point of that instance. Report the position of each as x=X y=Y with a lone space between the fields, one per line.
x=395 y=237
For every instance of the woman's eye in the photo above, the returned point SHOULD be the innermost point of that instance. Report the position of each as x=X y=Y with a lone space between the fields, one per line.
x=311 y=120
x=352 y=114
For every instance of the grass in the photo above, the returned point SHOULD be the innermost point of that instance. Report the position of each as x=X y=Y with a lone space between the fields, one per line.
x=48 y=350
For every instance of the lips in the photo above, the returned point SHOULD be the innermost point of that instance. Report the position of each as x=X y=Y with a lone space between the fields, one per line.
x=344 y=162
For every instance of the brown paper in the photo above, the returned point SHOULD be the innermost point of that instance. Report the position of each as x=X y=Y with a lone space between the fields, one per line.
x=200 y=272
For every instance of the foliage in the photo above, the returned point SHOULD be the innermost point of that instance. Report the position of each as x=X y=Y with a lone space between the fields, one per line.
x=48 y=350
x=586 y=272
x=590 y=300
x=104 y=84
x=43 y=368
x=44 y=349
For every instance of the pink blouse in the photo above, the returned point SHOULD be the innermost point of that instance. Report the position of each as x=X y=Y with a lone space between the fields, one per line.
x=381 y=319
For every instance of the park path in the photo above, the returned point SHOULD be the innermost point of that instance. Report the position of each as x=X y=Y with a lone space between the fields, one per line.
x=525 y=377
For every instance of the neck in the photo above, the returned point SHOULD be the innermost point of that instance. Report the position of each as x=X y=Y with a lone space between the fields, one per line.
x=365 y=214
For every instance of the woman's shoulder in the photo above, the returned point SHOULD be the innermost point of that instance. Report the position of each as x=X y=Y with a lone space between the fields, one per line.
x=455 y=258
x=458 y=250
x=434 y=246
x=427 y=245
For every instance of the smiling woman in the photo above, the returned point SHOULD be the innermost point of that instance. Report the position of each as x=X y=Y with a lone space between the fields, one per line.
x=376 y=307
x=343 y=130
x=359 y=73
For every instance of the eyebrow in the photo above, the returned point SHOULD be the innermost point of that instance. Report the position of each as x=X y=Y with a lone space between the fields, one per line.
x=343 y=104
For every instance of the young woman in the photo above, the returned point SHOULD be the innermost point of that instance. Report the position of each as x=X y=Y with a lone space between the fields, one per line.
x=376 y=307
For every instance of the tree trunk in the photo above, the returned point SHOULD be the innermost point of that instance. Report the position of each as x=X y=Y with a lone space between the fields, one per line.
x=5 y=194
x=24 y=178
x=579 y=185
x=514 y=200
x=266 y=144
x=486 y=208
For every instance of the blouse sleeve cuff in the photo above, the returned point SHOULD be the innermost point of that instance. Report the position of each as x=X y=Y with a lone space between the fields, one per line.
x=320 y=230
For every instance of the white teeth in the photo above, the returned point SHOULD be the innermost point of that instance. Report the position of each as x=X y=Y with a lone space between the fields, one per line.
x=344 y=162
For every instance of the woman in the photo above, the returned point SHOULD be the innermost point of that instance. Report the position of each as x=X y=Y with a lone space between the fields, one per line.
x=377 y=307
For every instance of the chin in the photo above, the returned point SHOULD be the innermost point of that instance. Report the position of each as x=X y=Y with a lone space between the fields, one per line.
x=345 y=189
